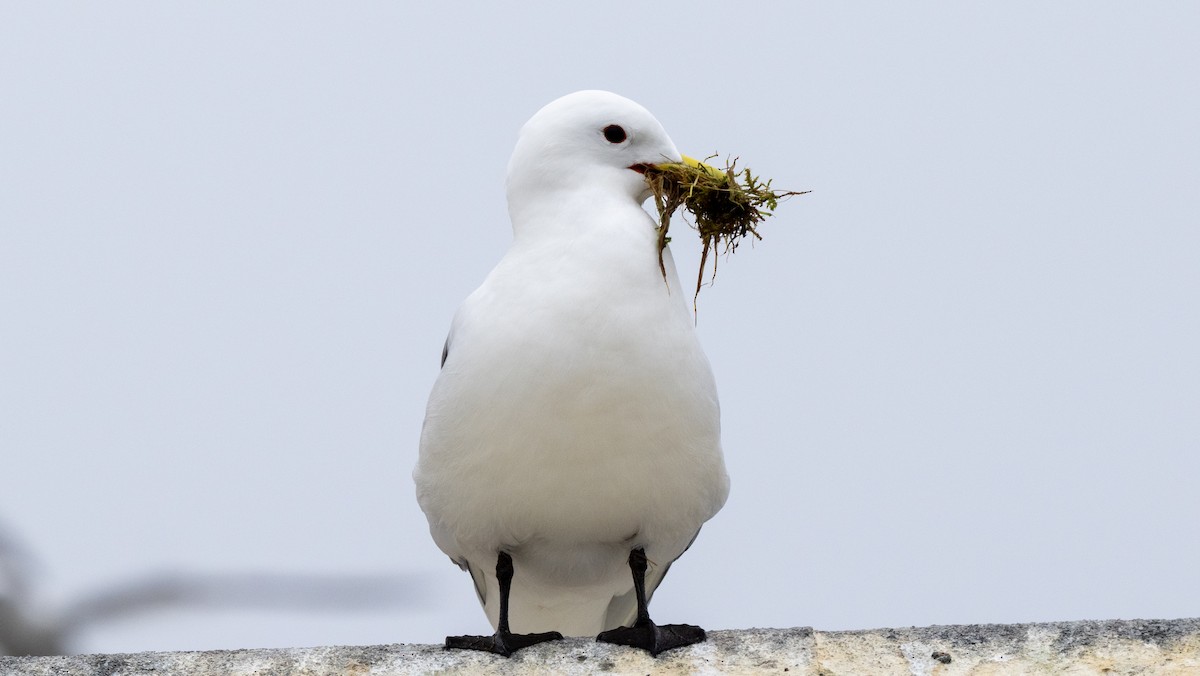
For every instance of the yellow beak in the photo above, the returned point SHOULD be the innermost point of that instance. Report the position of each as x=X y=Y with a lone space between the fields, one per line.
x=708 y=168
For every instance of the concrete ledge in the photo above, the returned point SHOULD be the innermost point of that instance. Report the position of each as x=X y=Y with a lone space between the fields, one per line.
x=1112 y=647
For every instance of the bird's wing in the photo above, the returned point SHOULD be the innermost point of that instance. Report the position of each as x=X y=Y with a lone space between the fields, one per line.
x=480 y=582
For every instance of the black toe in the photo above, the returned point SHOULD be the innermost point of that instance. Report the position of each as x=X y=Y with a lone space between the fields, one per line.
x=517 y=641
x=500 y=643
x=654 y=639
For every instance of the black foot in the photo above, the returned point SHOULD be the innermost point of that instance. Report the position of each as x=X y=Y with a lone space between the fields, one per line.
x=654 y=638
x=500 y=643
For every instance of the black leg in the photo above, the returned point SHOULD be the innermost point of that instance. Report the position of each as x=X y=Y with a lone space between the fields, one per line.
x=644 y=633
x=503 y=642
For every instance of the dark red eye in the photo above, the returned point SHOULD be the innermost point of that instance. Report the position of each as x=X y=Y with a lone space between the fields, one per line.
x=614 y=134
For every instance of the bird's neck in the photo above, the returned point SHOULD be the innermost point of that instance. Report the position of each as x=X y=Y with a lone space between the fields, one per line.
x=570 y=213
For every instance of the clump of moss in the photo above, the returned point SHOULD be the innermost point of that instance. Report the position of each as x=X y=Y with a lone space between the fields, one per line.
x=726 y=205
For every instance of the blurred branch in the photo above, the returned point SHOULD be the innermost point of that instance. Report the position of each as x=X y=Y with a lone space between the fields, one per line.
x=30 y=628
x=272 y=591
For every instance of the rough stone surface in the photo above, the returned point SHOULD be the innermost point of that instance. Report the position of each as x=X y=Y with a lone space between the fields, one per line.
x=1113 y=647
x=1089 y=647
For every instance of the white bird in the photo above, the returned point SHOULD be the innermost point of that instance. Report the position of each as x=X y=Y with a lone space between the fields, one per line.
x=571 y=446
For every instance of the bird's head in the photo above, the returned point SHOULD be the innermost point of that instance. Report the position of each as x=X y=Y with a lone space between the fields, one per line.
x=589 y=140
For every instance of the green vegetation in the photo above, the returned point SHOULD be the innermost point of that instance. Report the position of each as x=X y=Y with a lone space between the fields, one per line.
x=726 y=205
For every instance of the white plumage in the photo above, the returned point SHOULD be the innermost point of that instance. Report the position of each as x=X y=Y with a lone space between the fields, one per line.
x=575 y=417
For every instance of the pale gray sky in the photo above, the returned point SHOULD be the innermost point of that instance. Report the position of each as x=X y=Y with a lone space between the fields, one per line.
x=960 y=381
